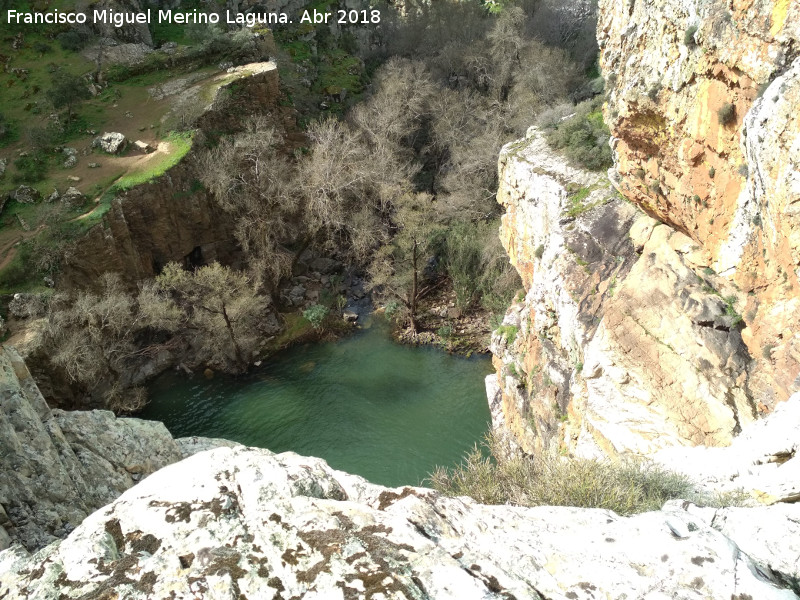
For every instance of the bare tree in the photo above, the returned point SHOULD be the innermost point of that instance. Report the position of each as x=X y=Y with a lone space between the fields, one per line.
x=250 y=179
x=92 y=336
x=219 y=307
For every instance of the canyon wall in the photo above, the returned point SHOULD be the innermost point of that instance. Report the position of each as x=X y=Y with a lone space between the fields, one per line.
x=669 y=316
x=173 y=218
x=703 y=106
x=57 y=467
x=622 y=343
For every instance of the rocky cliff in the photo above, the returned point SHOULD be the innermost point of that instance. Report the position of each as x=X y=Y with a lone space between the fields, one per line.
x=58 y=467
x=623 y=342
x=702 y=104
x=244 y=523
x=173 y=218
x=672 y=319
x=235 y=522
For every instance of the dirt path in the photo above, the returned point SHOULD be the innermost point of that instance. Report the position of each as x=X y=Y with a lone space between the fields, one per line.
x=9 y=250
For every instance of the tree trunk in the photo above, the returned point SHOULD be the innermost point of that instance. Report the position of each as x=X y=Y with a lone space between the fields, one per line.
x=239 y=353
x=412 y=308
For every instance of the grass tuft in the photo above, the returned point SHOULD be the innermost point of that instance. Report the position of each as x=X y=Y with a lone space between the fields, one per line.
x=626 y=487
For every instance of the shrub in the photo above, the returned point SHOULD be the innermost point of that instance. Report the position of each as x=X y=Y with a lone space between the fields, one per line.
x=711 y=172
x=626 y=487
x=392 y=310
x=315 y=314
x=539 y=252
x=71 y=40
x=508 y=331
x=743 y=170
x=30 y=169
x=655 y=187
x=688 y=36
x=584 y=137
x=726 y=114
x=5 y=128
x=445 y=332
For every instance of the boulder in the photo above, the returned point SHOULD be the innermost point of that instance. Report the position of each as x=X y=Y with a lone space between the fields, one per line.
x=237 y=522
x=71 y=161
x=26 y=306
x=112 y=143
x=26 y=194
x=73 y=197
x=324 y=265
x=143 y=147
x=54 y=196
x=3 y=165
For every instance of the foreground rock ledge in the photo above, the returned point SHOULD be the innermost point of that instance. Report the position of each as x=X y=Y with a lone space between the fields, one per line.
x=245 y=523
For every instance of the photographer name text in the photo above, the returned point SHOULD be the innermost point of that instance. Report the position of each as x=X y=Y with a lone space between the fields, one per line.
x=121 y=19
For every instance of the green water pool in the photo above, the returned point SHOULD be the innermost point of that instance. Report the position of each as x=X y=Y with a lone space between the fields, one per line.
x=366 y=404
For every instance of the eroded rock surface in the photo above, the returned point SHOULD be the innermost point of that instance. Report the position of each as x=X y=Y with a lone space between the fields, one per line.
x=763 y=462
x=625 y=342
x=236 y=522
x=57 y=467
x=702 y=104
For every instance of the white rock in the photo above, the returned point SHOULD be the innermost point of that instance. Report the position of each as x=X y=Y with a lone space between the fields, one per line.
x=242 y=521
x=110 y=142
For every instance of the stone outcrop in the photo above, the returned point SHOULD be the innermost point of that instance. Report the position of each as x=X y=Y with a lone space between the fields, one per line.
x=58 y=467
x=763 y=462
x=110 y=142
x=702 y=104
x=242 y=522
x=624 y=341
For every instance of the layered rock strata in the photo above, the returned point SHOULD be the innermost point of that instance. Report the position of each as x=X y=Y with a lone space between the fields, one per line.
x=624 y=341
x=702 y=104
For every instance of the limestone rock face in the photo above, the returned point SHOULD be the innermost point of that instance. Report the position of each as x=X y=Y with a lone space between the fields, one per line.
x=763 y=462
x=57 y=467
x=702 y=106
x=242 y=522
x=624 y=342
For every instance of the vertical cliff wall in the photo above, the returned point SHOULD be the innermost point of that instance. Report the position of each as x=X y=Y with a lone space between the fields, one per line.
x=623 y=342
x=679 y=326
x=703 y=106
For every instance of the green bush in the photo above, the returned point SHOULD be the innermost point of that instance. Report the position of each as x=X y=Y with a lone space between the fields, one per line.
x=688 y=36
x=71 y=40
x=30 y=169
x=508 y=331
x=501 y=477
x=584 y=137
x=315 y=314
x=726 y=114
x=5 y=127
